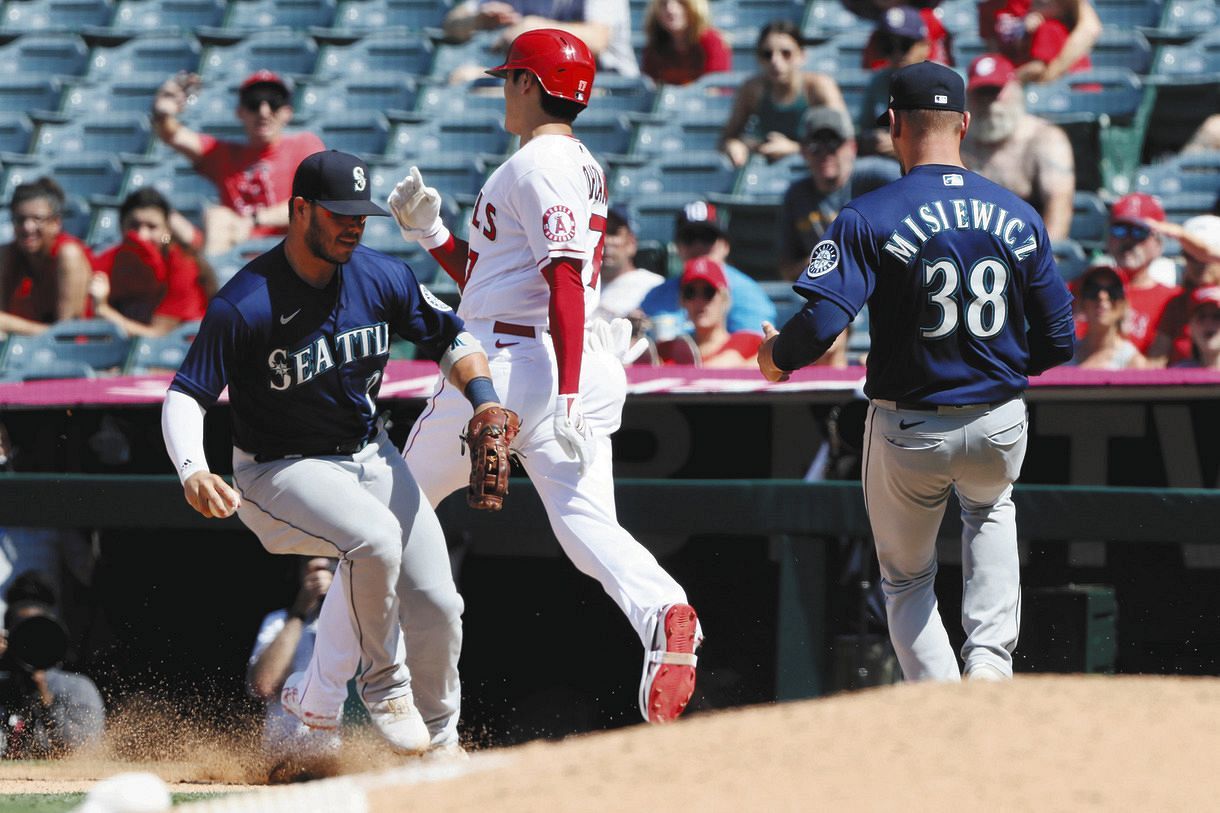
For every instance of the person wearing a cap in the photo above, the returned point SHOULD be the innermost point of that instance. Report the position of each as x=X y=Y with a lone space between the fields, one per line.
x=1200 y=240
x=1136 y=248
x=698 y=232
x=252 y=179
x=766 y=114
x=1016 y=149
x=836 y=175
x=965 y=304
x=1204 y=328
x=301 y=336
x=1102 y=307
x=624 y=286
x=706 y=298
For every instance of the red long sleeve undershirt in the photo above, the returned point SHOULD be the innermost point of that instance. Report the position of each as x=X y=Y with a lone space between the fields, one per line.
x=452 y=257
x=567 y=320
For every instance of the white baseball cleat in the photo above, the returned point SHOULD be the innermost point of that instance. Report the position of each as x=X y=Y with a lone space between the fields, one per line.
x=669 y=665
x=290 y=699
x=400 y=723
x=986 y=673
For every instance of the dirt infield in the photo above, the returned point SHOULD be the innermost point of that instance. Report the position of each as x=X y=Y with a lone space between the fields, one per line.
x=1038 y=743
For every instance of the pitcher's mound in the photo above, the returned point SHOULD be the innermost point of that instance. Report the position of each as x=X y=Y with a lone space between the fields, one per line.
x=1037 y=743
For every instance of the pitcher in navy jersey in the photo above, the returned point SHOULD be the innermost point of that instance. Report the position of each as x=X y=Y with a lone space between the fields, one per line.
x=300 y=337
x=965 y=303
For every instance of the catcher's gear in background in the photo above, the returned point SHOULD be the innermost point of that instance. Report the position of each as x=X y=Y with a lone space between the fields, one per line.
x=563 y=64
x=416 y=207
x=489 y=434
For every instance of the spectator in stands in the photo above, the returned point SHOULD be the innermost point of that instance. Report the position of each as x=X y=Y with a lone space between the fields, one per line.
x=699 y=234
x=836 y=175
x=1200 y=240
x=623 y=285
x=153 y=281
x=604 y=25
x=47 y=712
x=902 y=37
x=1206 y=138
x=254 y=179
x=1017 y=150
x=706 y=298
x=44 y=272
x=1045 y=39
x=680 y=43
x=768 y=107
x=1204 y=328
x=1134 y=247
x=1101 y=303
x=284 y=644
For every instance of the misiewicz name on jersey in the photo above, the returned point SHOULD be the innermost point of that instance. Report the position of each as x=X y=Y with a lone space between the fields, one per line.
x=292 y=367
x=960 y=214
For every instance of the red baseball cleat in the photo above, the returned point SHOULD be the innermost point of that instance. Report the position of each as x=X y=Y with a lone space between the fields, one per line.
x=669 y=666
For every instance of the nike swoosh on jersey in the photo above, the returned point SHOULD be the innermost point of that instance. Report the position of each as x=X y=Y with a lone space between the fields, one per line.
x=502 y=344
x=905 y=425
x=286 y=319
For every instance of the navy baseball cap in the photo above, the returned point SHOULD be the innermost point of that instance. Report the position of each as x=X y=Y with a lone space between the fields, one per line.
x=903 y=21
x=336 y=181
x=925 y=86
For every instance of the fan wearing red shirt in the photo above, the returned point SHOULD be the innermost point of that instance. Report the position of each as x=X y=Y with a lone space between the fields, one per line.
x=1134 y=245
x=44 y=272
x=705 y=295
x=680 y=43
x=1045 y=39
x=254 y=179
x=151 y=282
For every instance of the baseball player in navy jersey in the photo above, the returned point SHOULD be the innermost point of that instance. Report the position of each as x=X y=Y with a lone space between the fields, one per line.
x=300 y=337
x=965 y=303
x=530 y=280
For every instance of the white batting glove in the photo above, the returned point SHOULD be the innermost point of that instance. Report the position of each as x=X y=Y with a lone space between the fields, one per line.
x=416 y=207
x=572 y=432
x=614 y=337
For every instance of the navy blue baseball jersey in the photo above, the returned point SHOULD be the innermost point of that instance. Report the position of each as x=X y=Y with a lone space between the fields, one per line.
x=303 y=365
x=962 y=289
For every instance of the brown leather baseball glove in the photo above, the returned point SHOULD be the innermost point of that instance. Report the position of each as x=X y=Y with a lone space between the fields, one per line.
x=489 y=435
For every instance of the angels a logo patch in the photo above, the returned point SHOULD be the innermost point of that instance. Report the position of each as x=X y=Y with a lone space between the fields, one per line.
x=559 y=224
x=823 y=259
x=431 y=299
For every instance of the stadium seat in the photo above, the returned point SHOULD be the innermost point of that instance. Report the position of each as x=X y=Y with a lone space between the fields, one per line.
x=604 y=132
x=100 y=97
x=710 y=95
x=753 y=230
x=454 y=174
x=395 y=51
x=93 y=342
x=625 y=94
x=29 y=95
x=1186 y=19
x=693 y=173
x=764 y=180
x=859 y=340
x=1122 y=48
x=282 y=51
x=638 y=9
x=661 y=136
x=49 y=369
x=155 y=54
x=476 y=133
x=391 y=94
x=16 y=132
x=44 y=54
x=787 y=301
x=259 y=15
x=1194 y=172
x=174 y=177
x=361 y=132
x=1090 y=217
x=438 y=100
x=1118 y=95
x=966 y=46
x=377 y=15
x=84 y=175
x=479 y=50
x=56 y=15
x=161 y=353
x=114 y=133
x=1071 y=258
x=826 y=18
x=734 y=15
x=656 y=215
x=1182 y=206
x=166 y=15
x=1127 y=14
x=1199 y=58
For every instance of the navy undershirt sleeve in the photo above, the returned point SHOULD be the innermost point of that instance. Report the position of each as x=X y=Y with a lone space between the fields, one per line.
x=809 y=333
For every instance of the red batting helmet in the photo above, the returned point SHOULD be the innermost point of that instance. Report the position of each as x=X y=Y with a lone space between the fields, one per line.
x=562 y=62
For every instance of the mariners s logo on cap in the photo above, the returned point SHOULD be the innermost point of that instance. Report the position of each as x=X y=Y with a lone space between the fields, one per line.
x=358 y=176
x=823 y=259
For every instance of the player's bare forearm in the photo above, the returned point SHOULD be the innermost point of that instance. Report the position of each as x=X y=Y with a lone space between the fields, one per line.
x=271 y=668
x=468 y=368
x=74 y=274
x=453 y=256
x=1080 y=41
x=766 y=362
x=210 y=495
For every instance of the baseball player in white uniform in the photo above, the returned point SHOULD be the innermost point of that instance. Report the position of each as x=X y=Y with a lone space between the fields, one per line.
x=529 y=281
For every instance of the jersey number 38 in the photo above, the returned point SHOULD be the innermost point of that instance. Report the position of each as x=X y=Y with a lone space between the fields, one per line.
x=986 y=309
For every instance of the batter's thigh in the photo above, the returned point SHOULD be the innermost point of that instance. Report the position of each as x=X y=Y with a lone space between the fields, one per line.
x=433 y=451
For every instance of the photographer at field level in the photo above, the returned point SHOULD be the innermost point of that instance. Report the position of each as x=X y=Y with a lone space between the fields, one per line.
x=45 y=711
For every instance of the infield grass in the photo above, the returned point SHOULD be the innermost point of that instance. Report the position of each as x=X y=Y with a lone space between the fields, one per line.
x=61 y=802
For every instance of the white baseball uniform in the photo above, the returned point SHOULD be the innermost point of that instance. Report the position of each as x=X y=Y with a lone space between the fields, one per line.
x=547 y=201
